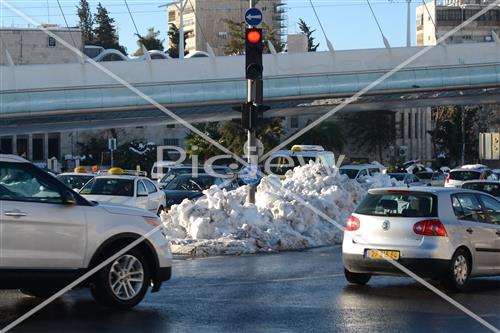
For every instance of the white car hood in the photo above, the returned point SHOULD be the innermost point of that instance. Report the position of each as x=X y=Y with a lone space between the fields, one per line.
x=111 y=199
x=124 y=210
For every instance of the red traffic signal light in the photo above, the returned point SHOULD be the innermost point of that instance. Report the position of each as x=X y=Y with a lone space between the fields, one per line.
x=254 y=36
x=253 y=52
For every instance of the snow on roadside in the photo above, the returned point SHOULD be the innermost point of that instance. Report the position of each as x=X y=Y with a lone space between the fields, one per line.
x=222 y=223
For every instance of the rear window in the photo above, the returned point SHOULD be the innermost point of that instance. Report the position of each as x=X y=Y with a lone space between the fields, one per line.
x=400 y=204
x=490 y=188
x=109 y=186
x=465 y=175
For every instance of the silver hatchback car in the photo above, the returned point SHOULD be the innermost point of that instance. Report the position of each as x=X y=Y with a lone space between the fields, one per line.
x=445 y=234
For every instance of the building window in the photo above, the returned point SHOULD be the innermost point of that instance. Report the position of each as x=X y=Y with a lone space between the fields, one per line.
x=171 y=142
x=294 y=122
x=6 y=145
x=171 y=16
x=52 y=42
x=38 y=149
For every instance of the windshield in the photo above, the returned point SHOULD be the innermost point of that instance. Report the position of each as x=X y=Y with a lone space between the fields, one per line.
x=490 y=188
x=400 y=204
x=465 y=175
x=109 y=186
x=75 y=181
x=184 y=171
x=188 y=183
x=351 y=173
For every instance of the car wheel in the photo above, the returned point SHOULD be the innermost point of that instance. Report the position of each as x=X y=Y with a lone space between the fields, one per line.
x=160 y=209
x=356 y=278
x=458 y=273
x=124 y=282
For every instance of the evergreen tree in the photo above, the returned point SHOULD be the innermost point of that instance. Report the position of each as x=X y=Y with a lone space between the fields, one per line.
x=105 y=31
x=306 y=30
x=173 y=36
x=375 y=130
x=86 y=23
x=236 y=43
x=150 y=41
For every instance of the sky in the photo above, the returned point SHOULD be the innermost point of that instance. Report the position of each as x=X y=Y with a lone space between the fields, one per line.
x=349 y=24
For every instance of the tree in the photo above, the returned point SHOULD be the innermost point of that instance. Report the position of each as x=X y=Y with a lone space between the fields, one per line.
x=197 y=145
x=232 y=136
x=150 y=42
x=105 y=31
x=135 y=153
x=306 y=30
x=236 y=43
x=448 y=137
x=327 y=134
x=375 y=130
x=86 y=23
x=173 y=36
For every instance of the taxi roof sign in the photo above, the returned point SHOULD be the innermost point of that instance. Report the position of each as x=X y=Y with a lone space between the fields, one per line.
x=307 y=148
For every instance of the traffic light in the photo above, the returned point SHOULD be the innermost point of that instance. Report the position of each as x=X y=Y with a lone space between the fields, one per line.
x=254 y=47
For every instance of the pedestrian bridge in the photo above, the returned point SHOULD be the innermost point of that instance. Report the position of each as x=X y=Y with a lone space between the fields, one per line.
x=191 y=85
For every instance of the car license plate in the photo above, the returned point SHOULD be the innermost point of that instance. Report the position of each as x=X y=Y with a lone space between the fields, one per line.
x=382 y=254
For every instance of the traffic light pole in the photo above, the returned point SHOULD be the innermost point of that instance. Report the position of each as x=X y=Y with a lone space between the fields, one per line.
x=252 y=156
x=252 y=144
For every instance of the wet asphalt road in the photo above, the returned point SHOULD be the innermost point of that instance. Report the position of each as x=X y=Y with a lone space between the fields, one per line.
x=287 y=292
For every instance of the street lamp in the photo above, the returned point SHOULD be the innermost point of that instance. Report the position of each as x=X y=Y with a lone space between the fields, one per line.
x=181 y=5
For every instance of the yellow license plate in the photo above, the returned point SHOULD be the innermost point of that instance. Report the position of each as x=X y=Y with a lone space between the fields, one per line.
x=383 y=254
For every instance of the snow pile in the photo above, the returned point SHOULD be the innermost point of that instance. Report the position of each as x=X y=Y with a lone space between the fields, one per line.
x=222 y=223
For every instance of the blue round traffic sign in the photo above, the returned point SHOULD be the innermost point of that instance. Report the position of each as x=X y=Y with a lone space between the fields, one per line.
x=253 y=16
x=250 y=175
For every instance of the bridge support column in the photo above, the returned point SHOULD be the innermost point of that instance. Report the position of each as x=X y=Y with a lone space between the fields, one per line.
x=14 y=144
x=30 y=147
x=46 y=146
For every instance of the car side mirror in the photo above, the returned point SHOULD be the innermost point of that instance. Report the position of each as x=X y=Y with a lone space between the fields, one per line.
x=68 y=198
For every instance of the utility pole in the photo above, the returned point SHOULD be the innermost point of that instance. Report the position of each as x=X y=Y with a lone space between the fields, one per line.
x=408 y=24
x=181 y=5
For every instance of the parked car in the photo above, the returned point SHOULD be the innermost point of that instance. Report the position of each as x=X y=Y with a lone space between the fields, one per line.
x=360 y=171
x=190 y=169
x=126 y=188
x=458 y=176
x=159 y=169
x=491 y=187
x=51 y=236
x=188 y=186
x=440 y=233
x=408 y=178
x=432 y=178
x=77 y=179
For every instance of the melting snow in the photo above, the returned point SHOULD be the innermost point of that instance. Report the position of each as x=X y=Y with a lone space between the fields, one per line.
x=222 y=223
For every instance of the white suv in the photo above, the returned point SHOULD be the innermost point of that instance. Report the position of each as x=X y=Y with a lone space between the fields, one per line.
x=52 y=235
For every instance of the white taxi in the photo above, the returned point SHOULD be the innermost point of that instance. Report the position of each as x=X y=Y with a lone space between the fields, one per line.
x=130 y=188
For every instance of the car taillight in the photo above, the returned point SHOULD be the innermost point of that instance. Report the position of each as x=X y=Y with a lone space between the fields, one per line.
x=353 y=223
x=430 y=228
x=447 y=179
